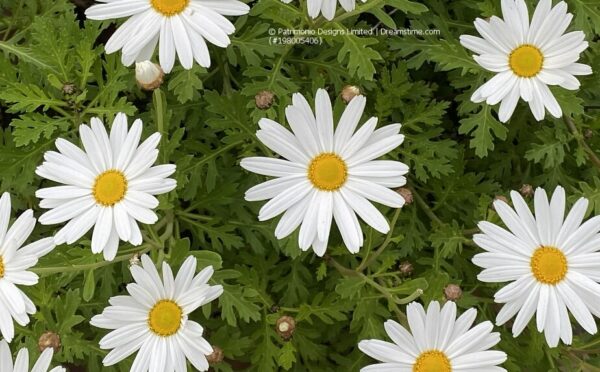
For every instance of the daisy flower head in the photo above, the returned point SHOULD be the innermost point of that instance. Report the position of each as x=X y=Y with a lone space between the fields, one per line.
x=14 y=262
x=153 y=318
x=327 y=175
x=180 y=27
x=437 y=342
x=552 y=262
x=21 y=364
x=109 y=185
x=327 y=7
x=527 y=57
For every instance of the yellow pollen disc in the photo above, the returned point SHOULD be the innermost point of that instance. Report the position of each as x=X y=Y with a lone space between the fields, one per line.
x=169 y=8
x=1 y=267
x=548 y=265
x=526 y=61
x=110 y=188
x=327 y=172
x=432 y=361
x=165 y=318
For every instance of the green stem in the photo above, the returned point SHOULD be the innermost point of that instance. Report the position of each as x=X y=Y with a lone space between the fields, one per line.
x=383 y=246
x=582 y=142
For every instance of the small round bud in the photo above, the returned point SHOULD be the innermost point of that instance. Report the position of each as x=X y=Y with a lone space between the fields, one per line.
x=274 y=309
x=406 y=268
x=264 y=99
x=149 y=75
x=501 y=197
x=349 y=92
x=134 y=260
x=216 y=356
x=406 y=194
x=588 y=133
x=526 y=190
x=49 y=339
x=452 y=292
x=285 y=327
x=68 y=89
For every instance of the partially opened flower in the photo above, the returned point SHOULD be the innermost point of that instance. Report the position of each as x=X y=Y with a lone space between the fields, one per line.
x=552 y=262
x=527 y=57
x=110 y=186
x=153 y=319
x=179 y=27
x=14 y=262
x=437 y=342
x=21 y=364
x=327 y=175
x=327 y=7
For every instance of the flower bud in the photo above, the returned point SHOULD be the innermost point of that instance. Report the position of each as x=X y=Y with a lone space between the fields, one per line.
x=526 y=190
x=406 y=268
x=216 y=356
x=264 y=99
x=149 y=75
x=69 y=89
x=134 y=260
x=406 y=194
x=452 y=292
x=49 y=339
x=349 y=92
x=588 y=133
x=285 y=327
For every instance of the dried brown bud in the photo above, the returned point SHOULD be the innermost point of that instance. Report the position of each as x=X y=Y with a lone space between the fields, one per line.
x=349 y=92
x=264 y=99
x=149 y=75
x=68 y=89
x=406 y=268
x=501 y=197
x=49 y=339
x=588 y=133
x=216 y=356
x=285 y=327
x=452 y=292
x=526 y=190
x=134 y=260
x=406 y=194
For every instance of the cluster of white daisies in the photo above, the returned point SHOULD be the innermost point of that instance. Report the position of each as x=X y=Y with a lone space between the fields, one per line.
x=326 y=173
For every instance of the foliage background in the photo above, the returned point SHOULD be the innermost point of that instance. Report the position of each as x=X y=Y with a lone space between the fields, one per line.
x=460 y=156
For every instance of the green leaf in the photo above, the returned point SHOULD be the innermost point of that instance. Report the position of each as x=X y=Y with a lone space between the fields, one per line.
x=483 y=127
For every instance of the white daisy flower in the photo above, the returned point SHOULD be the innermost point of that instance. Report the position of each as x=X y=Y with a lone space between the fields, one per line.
x=14 y=262
x=553 y=263
x=439 y=343
x=327 y=175
x=327 y=7
x=22 y=362
x=527 y=57
x=153 y=318
x=109 y=186
x=177 y=26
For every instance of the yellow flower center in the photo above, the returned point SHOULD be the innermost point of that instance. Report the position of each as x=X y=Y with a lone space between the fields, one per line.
x=526 y=61
x=327 y=172
x=110 y=188
x=548 y=265
x=165 y=318
x=169 y=8
x=2 y=270
x=432 y=361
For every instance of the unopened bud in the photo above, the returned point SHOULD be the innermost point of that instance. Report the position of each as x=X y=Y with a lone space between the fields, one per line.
x=216 y=356
x=406 y=268
x=349 y=92
x=588 y=133
x=501 y=197
x=526 y=190
x=264 y=99
x=285 y=327
x=69 y=89
x=406 y=194
x=452 y=292
x=149 y=75
x=134 y=260
x=49 y=339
